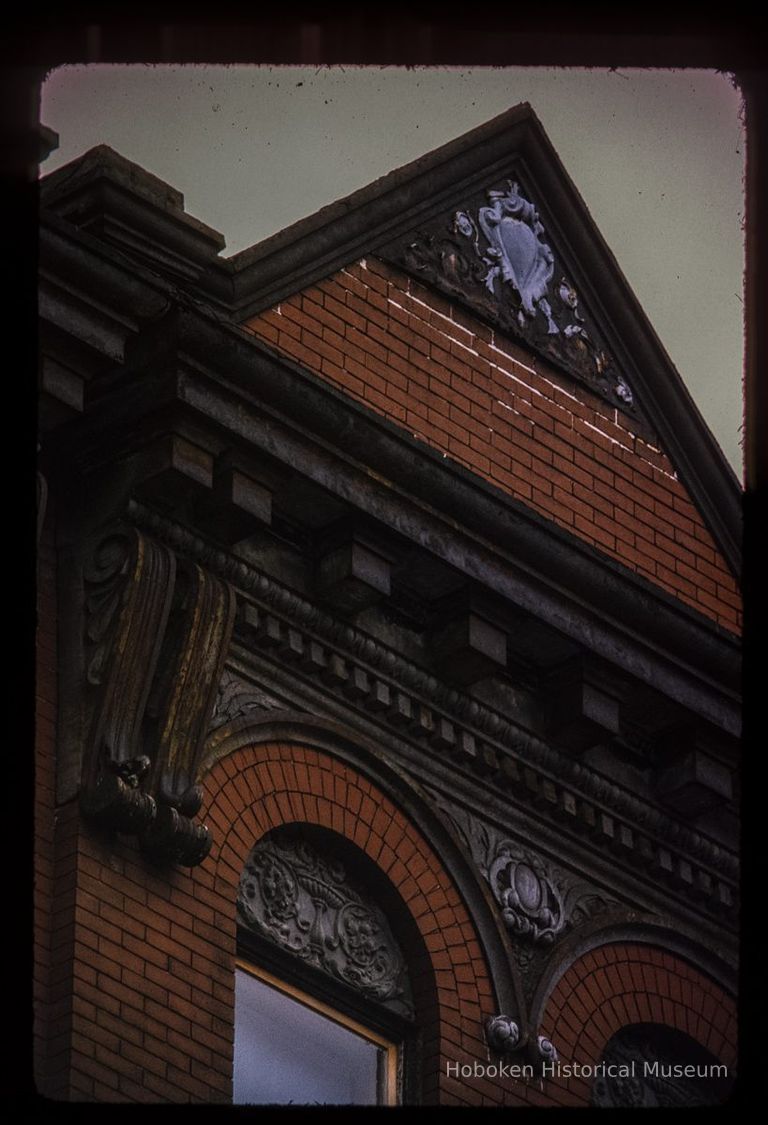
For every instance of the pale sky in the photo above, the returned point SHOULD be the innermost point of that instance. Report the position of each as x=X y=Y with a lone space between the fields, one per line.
x=657 y=156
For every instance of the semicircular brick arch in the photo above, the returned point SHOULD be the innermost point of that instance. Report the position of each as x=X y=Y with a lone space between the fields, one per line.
x=258 y=787
x=625 y=983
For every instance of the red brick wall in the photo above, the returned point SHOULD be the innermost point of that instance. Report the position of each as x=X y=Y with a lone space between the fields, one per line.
x=470 y=392
x=147 y=959
x=620 y=984
x=142 y=967
x=258 y=788
x=153 y=981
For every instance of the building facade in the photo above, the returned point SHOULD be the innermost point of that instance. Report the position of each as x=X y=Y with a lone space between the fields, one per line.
x=388 y=661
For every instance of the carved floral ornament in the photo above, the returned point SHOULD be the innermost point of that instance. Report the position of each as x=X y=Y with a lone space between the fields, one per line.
x=531 y=903
x=504 y=1037
x=237 y=699
x=538 y=902
x=498 y=258
x=302 y=900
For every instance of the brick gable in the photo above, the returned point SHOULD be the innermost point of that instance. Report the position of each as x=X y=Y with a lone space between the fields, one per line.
x=469 y=391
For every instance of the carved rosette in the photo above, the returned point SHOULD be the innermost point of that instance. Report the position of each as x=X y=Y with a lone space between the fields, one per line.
x=303 y=901
x=153 y=649
x=498 y=259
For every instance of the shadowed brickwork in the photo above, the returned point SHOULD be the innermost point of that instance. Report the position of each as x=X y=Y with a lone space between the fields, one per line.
x=473 y=394
x=620 y=984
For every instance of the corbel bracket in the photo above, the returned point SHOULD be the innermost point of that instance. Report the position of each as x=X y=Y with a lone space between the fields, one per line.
x=156 y=635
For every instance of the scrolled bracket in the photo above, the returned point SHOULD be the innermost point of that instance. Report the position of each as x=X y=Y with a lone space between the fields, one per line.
x=115 y=801
x=172 y=837
x=155 y=633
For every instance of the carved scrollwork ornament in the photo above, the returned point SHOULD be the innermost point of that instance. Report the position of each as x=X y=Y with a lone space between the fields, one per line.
x=498 y=258
x=154 y=645
x=541 y=1051
x=115 y=801
x=531 y=902
x=502 y=1034
x=546 y=1049
x=302 y=900
x=172 y=837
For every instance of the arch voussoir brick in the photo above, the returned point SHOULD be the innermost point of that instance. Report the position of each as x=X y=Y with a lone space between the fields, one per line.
x=259 y=787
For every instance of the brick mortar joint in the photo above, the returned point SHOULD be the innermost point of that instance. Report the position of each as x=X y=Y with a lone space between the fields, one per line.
x=712 y=607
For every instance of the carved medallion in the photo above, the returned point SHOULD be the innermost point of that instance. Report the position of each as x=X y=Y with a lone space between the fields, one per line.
x=496 y=256
x=302 y=900
x=538 y=901
x=531 y=903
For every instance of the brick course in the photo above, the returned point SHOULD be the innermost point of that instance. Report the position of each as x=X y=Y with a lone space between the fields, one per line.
x=470 y=392
x=145 y=1007
x=144 y=1010
x=627 y=983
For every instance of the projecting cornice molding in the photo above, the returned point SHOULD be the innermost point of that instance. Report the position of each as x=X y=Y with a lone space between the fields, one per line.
x=272 y=408
x=415 y=706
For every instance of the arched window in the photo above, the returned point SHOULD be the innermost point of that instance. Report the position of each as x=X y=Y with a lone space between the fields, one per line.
x=651 y=1065
x=324 y=1005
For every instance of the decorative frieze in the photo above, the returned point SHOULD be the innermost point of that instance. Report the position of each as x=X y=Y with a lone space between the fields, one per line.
x=365 y=673
x=301 y=898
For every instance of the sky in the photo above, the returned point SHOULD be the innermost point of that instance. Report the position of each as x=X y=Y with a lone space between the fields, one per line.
x=657 y=156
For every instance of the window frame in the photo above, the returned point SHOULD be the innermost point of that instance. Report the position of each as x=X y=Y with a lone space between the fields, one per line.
x=258 y=955
x=390 y=1046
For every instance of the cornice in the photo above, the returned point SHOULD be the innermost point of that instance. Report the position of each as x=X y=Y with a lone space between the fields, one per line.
x=418 y=706
x=221 y=374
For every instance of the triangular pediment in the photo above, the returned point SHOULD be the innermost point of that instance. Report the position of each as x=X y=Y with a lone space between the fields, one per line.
x=493 y=222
